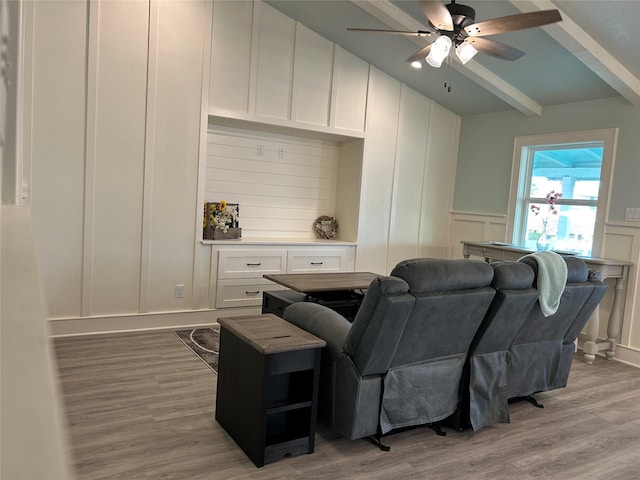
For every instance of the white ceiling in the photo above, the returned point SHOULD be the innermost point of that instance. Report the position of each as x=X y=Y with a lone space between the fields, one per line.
x=593 y=53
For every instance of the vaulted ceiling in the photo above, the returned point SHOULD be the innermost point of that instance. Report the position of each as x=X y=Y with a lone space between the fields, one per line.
x=593 y=53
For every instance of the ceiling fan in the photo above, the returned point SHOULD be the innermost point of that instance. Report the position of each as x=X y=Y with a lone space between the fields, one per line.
x=454 y=23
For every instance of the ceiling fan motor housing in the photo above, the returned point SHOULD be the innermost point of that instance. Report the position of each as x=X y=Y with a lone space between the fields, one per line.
x=462 y=16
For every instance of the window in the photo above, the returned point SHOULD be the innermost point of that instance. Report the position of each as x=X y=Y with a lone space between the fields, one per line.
x=559 y=191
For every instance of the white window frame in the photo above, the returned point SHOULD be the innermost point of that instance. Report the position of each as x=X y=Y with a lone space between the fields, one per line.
x=521 y=173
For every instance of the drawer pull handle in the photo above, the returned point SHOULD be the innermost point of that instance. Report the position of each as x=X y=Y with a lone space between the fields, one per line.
x=254 y=264
x=317 y=263
x=253 y=293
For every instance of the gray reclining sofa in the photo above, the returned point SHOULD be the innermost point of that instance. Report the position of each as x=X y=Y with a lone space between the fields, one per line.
x=445 y=339
x=400 y=362
x=518 y=351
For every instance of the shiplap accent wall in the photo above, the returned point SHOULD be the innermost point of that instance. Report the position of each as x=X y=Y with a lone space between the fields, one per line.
x=280 y=194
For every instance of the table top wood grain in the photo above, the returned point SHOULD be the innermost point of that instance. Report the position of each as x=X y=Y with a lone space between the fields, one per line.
x=270 y=334
x=324 y=282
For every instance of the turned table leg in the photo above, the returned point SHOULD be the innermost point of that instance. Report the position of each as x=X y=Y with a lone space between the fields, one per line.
x=590 y=347
x=615 y=320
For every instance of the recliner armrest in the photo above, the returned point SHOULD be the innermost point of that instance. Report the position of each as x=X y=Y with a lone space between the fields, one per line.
x=322 y=322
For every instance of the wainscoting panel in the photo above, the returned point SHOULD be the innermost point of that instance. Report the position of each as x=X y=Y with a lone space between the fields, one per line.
x=383 y=105
x=56 y=147
x=173 y=137
x=622 y=242
x=116 y=110
x=475 y=226
x=406 y=200
x=439 y=181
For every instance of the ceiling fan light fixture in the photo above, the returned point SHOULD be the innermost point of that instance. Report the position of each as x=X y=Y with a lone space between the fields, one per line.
x=439 y=51
x=465 y=52
x=416 y=64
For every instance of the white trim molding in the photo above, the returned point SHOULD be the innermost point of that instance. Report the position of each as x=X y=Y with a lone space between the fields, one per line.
x=69 y=327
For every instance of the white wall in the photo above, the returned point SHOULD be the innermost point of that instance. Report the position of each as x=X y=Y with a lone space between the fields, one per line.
x=117 y=163
x=114 y=145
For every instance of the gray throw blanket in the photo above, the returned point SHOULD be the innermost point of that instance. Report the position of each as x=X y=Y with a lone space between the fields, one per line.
x=552 y=277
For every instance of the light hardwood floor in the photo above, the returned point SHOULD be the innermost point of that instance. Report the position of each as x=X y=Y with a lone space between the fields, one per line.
x=141 y=406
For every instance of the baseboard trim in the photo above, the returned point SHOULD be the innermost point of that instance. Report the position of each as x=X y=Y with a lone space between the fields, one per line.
x=628 y=355
x=69 y=327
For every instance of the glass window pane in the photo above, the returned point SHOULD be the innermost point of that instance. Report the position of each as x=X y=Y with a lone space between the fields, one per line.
x=573 y=171
x=570 y=229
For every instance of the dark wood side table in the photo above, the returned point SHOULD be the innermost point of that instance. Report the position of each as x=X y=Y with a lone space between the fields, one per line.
x=268 y=373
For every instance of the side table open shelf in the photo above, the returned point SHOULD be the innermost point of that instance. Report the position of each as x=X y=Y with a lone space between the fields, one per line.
x=267 y=393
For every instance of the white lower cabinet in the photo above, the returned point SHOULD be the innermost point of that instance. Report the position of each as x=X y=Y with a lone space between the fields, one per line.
x=240 y=271
x=318 y=260
x=243 y=292
x=251 y=263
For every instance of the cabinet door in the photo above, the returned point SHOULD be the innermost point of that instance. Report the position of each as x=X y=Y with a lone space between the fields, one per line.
x=409 y=171
x=377 y=176
x=272 y=61
x=311 y=78
x=439 y=181
x=349 y=93
x=230 y=56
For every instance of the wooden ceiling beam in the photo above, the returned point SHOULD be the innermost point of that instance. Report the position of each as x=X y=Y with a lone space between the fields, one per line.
x=587 y=50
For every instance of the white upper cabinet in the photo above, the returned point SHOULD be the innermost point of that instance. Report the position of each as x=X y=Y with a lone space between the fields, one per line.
x=312 y=77
x=267 y=68
x=231 y=56
x=349 y=98
x=272 y=62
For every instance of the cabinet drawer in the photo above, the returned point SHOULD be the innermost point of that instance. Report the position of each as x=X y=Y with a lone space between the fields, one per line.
x=243 y=293
x=299 y=261
x=250 y=263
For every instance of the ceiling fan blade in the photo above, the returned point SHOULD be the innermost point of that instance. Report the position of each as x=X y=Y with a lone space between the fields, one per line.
x=511 y=23
x=420 y=54
x=437 y=14
x=495 y=49
x=419 y=33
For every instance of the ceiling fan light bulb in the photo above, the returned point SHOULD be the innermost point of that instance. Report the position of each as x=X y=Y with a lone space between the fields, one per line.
x=416 y=64
x=465 y=52
x=439 y=51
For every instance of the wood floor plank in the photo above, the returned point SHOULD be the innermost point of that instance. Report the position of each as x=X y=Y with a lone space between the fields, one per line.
x=140 y=406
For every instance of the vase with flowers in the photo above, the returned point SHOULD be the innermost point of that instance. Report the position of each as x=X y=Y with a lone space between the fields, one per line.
x=542 y=243
x=221 y=221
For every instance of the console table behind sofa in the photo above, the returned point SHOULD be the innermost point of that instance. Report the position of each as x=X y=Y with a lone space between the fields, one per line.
x=615 y=269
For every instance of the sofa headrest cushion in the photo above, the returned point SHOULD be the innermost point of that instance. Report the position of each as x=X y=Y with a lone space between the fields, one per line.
x=512 y=276
x=577 y=270
x=437 y=274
